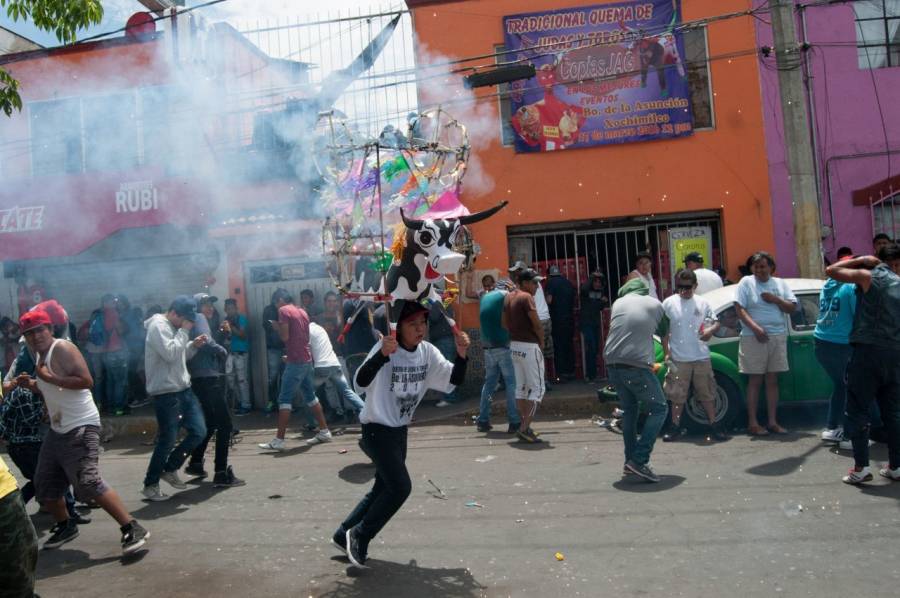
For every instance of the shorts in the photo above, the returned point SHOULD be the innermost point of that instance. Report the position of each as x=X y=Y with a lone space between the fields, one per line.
x=528 y=365
x=680 y=376
x=70 y=459
x=297 y=375
x=548 y=338
x=755 y=357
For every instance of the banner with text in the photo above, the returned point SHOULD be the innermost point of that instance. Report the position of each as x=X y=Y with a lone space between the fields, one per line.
x=612 y=73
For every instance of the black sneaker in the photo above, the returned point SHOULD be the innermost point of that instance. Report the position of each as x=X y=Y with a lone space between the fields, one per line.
x=513 y=428
x=196 y=470
x=134 y=536
x=644 y=471
x=339 y=539
x=717 y=434
x=62 y=532
x=227 y=479
x=528 y=436
x=80 y=519
x=356 y=548
x=485 y=427
x=674 y=435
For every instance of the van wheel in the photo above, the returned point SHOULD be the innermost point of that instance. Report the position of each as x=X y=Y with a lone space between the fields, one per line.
x=728 y=404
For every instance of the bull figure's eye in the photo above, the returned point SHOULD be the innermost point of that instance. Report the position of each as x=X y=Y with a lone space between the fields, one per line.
x=426 y=239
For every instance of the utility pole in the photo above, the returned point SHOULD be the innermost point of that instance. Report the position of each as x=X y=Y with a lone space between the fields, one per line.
x=798 y=146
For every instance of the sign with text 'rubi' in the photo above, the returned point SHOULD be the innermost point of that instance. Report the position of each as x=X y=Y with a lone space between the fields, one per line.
x=610 y=73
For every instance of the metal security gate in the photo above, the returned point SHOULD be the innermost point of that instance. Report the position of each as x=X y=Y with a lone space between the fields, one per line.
x=886 y=216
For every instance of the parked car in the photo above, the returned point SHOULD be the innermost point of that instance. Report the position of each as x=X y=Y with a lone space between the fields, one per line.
x=805 y=381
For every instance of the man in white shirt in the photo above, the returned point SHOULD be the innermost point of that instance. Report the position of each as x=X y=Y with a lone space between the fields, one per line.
x=691 y=324
x=707 y=280
x=327 y=369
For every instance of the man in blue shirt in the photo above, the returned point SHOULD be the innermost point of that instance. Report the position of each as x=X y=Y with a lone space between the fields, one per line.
x=235 y=326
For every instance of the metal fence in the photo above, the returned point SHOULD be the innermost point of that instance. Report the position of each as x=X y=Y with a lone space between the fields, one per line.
x=886 y=216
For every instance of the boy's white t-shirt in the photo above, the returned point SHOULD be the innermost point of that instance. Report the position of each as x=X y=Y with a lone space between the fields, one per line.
x=320 y=347
x=394 y=394
x=685 y=318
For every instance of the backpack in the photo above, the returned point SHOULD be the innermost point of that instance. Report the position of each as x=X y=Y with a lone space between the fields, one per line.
x=97 y=330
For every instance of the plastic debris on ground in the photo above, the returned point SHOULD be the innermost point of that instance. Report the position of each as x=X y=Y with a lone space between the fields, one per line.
x=485 y=459
x=560 y=556
x=474 y=504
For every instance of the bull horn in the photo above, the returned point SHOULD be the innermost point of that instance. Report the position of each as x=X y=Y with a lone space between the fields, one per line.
x=479 y=216
x=411 y=224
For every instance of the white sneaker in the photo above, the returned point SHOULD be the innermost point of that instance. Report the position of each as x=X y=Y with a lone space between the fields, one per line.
x=847 y=445
x=891 y=474
x=442 y=403
x=854 y=477
x=154 y=494
x=276 y=444
x=171 y=478
x=835 y=435
x=320 y=437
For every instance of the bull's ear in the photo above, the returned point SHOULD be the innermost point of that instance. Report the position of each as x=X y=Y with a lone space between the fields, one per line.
x=479 y=216
x=411 y=224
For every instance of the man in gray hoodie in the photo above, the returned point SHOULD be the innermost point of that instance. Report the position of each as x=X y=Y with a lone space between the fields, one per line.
x=167 y=349
x=630 y=358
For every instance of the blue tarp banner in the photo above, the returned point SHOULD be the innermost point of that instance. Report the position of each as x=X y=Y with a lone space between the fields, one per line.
x=611 y=73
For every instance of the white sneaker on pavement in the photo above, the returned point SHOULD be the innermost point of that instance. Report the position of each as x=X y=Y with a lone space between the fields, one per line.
x=835 y=435
x=891 y=474
x=171 y=478
x=320 y=437
x=276 y=444
x=855 y=477
x=154 y=494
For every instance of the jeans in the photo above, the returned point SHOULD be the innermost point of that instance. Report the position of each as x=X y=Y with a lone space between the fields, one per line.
x=591 y=348
x=447 y=346
x=239 y=380
x=387 y=448
x=873 y=375
x=274 y=365
x=18 y=548
x=834 y=359
x=115 y=378
x=25 y=456
x=497 y=361
x=335 y=375
x=635 y=386
x=174 y=409
x=297 y=375
x=563 y=347
x=211 y=393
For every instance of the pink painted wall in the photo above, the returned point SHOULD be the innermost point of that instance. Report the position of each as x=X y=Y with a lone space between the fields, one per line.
x=847 y=122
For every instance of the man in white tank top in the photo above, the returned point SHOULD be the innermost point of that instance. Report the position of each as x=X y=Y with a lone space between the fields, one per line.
x=71 y=449
x=643 y=266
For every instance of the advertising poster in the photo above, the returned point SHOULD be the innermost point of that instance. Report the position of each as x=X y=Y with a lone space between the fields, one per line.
x=610 y=73
x=683 y=241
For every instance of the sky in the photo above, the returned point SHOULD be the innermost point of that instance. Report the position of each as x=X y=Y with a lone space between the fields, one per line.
x=116 y=13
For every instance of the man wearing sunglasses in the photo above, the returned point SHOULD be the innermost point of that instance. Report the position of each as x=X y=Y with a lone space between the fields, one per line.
x=692 y=322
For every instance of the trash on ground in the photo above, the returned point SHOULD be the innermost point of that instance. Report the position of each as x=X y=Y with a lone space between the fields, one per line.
x=343 y=451
x=438 y=489
x=485 y=459
x=570 y=421
x=520 y=521
x=475 y=504
x=275 y=496
x=560 y=556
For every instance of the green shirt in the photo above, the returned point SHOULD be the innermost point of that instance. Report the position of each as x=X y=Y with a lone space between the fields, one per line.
x=490 y=313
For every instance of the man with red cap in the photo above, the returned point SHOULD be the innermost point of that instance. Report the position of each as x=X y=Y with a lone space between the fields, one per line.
x=71 y=449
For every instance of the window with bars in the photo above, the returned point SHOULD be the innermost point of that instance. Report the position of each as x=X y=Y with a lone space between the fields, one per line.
x=877 y=33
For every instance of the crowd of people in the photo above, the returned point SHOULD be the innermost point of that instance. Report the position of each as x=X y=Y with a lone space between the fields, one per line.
x=524 y=325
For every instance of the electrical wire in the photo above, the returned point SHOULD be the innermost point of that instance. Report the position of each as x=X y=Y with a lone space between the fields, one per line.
x=153 y=20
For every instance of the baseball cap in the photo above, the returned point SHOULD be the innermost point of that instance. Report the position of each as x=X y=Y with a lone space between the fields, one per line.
x=410 y=309
x=554 y=270
x=504 y=284
x=185 y=307
x=530 y=274
x=597 y=274
x=520 y=265
x=58 y=315
x=34 y=319
x=694 y=256
x=205 y=298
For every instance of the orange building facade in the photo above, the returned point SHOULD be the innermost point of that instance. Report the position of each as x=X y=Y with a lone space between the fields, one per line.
x=596 y=207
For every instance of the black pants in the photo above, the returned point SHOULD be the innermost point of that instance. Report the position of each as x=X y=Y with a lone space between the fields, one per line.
x=25 y=456
x=387 y=448
x=563 y=347
x=211 y=394
x=873 y=375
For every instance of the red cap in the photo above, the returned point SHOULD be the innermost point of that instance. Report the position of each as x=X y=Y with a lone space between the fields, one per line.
x=58 y=315
x=33 y=319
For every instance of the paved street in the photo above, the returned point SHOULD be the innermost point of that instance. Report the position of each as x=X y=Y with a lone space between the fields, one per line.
x=748 y=518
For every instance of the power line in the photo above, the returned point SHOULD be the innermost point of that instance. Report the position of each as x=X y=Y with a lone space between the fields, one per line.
x=153 y=20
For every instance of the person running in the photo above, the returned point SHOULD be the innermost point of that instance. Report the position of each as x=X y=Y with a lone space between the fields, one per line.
x=168 y=347
x=395 y=376
x=497 y=358
x=71 y=450
x=761 y=303
x=873 y=373
x=692 y=323
x=328 y=371
x=629 y=355
x=526 y=344
x=293 y=329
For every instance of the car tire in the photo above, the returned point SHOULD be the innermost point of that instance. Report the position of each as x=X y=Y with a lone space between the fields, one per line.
x=729 y=403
